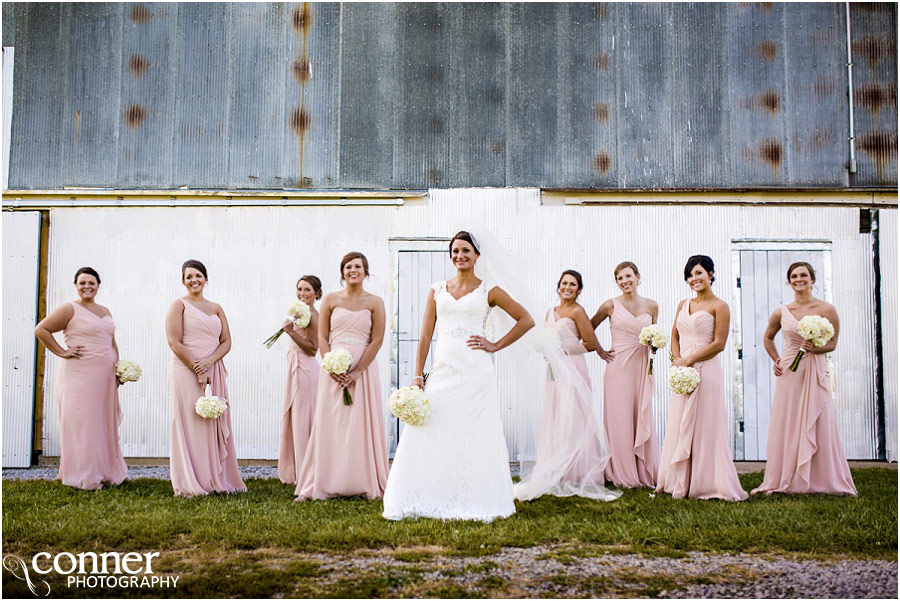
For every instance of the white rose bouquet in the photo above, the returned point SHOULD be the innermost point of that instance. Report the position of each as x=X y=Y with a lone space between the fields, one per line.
x=816 y=329
x=410 y=405
x=299 y=313
x=337 y=362
x=683 y=380
x=127 y=371
x=655 y=338
x=210 y=407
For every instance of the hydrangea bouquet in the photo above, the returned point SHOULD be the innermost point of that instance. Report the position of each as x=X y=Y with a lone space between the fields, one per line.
x=816 y=329
x=410 y=405
x=337 y=362
x=299 y=313
x=654 y=337
x=683 y=380
x=127 y=371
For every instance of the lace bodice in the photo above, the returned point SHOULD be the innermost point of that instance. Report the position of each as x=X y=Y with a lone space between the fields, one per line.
x=463 y=317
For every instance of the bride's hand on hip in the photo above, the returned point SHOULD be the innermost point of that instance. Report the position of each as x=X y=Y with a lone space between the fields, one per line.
x=480 y=343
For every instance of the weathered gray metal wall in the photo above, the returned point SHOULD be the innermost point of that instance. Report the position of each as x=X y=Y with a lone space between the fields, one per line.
x=329 y=95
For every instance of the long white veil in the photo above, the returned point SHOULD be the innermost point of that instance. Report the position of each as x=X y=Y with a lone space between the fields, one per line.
x=552 y=455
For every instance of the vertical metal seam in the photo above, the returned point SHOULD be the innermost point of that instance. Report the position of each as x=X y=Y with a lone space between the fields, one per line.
x=880 y=437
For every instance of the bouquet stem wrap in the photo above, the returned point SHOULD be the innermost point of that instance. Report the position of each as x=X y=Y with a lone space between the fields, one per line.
x=796 y=362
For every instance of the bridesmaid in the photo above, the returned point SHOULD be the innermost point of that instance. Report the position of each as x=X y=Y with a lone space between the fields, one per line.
x=696 y=458
x=347 y=450
x=202 y=459
x=302 y=382
x=803 y=451
x=89 y=412
x=627 y=387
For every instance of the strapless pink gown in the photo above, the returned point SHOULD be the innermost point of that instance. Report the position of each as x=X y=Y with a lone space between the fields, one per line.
x=347 y=451
x=803 y=450
x=299 y=408
x=89 y=412
x=202 y=459
x=627 y=404
x=696 y=459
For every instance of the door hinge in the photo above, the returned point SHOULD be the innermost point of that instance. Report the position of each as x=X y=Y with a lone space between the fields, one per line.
x=742 y=425
x=739 y=282
x=741 y=351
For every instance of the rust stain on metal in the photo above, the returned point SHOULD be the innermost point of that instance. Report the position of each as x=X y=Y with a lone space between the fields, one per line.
x=138 y=65
x=601 y=112
x=771 y=152
x=874 y=49
x=140 y=14
x=602 y=162
x=601 y=61
x=302 y=18
x=766 y=6
x=874 y=97
x=814 y=142
x=135 y=115
x=768 y=50
x=435 y=74
x=497 y=147
x=76 y=127
x=435 y=125
x=601 y=10
x=824 y=86
x=769 y=100
x=299 y=121
x=881 y=146
x=302 y=70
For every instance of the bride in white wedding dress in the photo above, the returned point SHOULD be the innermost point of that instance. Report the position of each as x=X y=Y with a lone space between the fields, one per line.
x=456 y=465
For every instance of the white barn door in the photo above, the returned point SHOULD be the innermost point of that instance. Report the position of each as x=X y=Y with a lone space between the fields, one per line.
x=763 y=288
x=21 y=256
x=417 y=270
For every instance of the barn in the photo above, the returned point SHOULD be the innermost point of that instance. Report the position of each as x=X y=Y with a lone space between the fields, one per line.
x=268 y=139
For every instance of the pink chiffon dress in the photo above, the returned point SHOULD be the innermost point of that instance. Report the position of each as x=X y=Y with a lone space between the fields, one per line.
x=89 y=412
x=696 y=459
x=202 y=459
x=803 y=450
x=299 y=408
x=627 y=404
x=347 y=451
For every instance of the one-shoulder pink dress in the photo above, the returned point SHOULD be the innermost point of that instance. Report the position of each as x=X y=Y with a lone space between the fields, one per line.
x=627 y=404
x=696 y=458
x=347 y=451
x=89 y=412
x=803 y=450
x=299 y=408
x=202 y=459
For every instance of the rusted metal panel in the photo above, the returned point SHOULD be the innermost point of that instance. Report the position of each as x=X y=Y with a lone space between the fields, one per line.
x=699 y=98
x=756 y=65
x=816 y=107
x=367 y=111
x=873 y=28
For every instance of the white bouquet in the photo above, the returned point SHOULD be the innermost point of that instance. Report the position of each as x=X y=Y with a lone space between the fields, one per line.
x=683 y=380
x=410 y=405
x=337 y=362
x=655 y=338
x=127 y=371
x=299 y=313
x=816 y=329
x=210 y=407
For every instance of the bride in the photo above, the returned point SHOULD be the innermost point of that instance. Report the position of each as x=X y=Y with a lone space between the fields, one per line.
x=456 y=465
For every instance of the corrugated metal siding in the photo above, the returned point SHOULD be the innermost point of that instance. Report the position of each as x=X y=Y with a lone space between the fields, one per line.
x=874 y=45
x=385 y=95
x=245 y=250
x=887 y=224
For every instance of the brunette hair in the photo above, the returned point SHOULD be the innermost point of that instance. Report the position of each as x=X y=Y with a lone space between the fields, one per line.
x=465 y=236
x=196 y=265
x=313 y=281
x=349 y=257
x=793 y=266
x=704 y=262
x=625 y=264
x=575 y=275
x=89 y=271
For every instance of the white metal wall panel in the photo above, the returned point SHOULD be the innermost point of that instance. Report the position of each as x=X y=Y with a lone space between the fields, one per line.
x=887 y=223
x=255 y=255
x=21 y=252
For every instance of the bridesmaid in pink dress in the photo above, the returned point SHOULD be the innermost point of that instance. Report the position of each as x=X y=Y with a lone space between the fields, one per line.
x=302 y=383
x=202 y=459
x=803 y=450
x=696 y=458
x=627 y=387
x=89 y=412
x=347 y=450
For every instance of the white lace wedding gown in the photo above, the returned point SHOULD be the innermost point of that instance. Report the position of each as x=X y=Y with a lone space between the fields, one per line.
x=456 y=466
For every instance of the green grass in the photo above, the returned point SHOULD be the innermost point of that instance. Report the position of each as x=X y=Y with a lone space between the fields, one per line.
x=251 y=544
